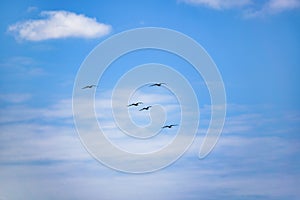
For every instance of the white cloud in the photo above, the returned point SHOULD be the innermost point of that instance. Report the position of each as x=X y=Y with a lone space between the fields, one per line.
x=59 y=24
x=249 y=7
x=32 y=142
x=15 y=98
x=32 y=9
x=219 y=4
x=21 y=67
x=42 y=159
x=272 y=7
x=241 y=168
x=281 y=5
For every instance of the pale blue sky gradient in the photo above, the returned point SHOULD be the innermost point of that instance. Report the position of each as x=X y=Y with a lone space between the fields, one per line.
x=256 y=46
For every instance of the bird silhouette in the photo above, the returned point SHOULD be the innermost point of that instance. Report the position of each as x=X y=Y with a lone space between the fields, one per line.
x=169 y=126
x=89 y=86
x=145 y=108
x=157 y=84
x=135 y=104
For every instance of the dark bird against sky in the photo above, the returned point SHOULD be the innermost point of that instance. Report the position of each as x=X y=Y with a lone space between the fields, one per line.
x=146 y=108
x=89 y=86
x=169 y=126
x=135 y=104
x=157 y=84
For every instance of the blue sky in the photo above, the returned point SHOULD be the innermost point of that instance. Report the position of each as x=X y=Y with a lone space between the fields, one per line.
x=255 y=45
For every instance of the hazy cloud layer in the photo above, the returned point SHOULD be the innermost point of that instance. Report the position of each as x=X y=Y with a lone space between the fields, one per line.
x=47 y=161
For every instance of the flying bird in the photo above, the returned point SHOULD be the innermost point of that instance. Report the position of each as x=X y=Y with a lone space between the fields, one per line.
x=89 y=86
x=135 y=104
x=157 y=84
x=169 y=126
x=146 y=108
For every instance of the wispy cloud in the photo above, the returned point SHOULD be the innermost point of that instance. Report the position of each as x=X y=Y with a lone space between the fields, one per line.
x=15 y=98
x=24 y=143
x=48 y=153
x=59 y=24
x=272 y=7
x=250 y=8
x=32 y=9
x=22 y=67
x=219 y=4
x=281 y=5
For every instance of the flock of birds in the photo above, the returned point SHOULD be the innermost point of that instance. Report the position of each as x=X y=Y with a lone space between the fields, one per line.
x=139 y=103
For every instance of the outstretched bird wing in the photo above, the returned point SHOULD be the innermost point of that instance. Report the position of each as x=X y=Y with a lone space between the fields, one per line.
x=89 y=86
x=169 y=126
